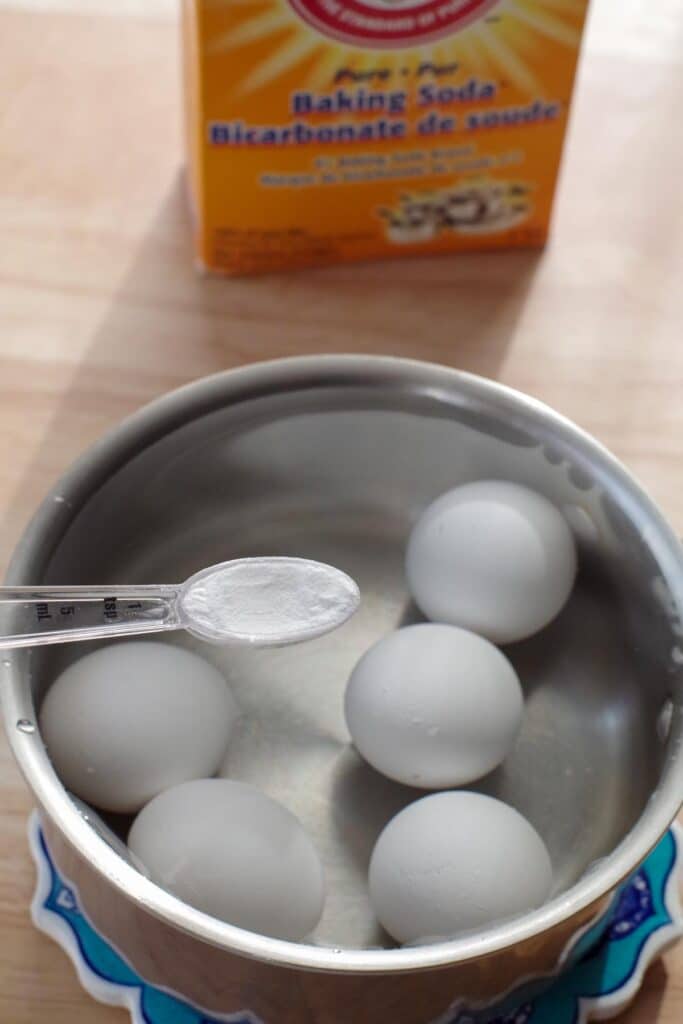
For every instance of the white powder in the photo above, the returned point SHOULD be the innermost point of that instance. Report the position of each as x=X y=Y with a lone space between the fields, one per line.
x=268 y=600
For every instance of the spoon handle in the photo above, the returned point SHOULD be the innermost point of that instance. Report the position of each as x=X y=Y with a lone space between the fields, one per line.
x=31 y=616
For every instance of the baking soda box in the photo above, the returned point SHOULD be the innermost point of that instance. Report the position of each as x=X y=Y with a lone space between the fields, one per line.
x=337 y=130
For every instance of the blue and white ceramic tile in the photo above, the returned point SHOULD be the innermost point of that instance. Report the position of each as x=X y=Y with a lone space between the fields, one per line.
x=608 y=961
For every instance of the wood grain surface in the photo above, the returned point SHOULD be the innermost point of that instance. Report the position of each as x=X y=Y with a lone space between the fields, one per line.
x=101 y=310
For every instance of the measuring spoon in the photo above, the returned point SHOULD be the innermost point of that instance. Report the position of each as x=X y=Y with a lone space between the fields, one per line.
x=264 y=602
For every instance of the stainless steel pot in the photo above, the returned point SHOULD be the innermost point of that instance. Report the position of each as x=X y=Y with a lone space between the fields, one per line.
x=333 y=458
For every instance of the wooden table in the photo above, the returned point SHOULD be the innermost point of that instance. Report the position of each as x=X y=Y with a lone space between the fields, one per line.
x=101 y=310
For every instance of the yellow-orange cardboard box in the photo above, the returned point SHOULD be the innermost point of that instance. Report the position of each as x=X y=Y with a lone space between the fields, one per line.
x=335 y=130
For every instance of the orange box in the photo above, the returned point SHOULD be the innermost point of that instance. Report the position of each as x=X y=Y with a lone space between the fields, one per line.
x=321 y=131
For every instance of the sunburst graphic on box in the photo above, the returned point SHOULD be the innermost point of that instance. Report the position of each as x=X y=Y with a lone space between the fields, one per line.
x=509 y=40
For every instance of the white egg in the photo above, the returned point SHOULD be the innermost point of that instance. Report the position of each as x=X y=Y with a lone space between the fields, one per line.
x=129 y=720
x=455 y=862
x=494 y=557
x=229 y=850
x=434 y=706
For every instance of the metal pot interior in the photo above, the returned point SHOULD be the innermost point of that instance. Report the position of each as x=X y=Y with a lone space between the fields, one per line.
x=340 y=473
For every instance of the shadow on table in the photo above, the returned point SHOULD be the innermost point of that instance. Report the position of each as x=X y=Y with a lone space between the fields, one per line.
x=167 y=325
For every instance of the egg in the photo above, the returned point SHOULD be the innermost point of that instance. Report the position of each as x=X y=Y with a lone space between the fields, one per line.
x=456 y=862
x=433 y=706
x=226 y=848
x=494 y=557
x=131 y=719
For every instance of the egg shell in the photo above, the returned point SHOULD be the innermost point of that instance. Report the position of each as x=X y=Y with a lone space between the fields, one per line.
x=434 y=706
x=230 y=850
x=493 y=557
x=455 y=862
x=131 y=719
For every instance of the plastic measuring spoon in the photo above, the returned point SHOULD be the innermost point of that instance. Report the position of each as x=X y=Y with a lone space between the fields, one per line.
x=265 y=602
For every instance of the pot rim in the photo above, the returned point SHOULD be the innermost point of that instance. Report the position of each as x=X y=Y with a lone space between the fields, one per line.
x=207 y=395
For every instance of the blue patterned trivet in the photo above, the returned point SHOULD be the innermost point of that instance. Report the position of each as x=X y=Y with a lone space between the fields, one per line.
x=644 y=920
